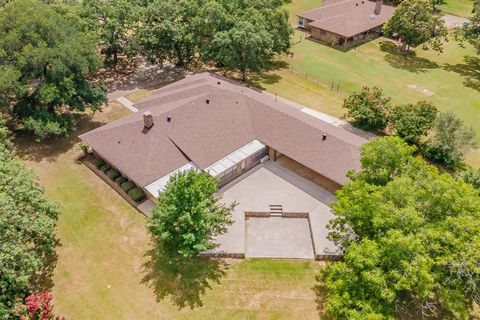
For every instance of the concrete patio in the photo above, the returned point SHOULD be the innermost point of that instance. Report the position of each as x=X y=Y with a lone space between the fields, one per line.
x=276 y=237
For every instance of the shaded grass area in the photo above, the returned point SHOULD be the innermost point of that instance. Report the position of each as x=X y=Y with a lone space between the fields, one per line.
x=106 y=268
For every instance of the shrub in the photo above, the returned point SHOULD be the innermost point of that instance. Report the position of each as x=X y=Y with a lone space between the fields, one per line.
x=452 y=139
x=137 y=194
x=368 y=109
x=127 y=186
x=98 y=162
x=112 y=174
x=105 y=167
x=413 y=121
x=119 y=180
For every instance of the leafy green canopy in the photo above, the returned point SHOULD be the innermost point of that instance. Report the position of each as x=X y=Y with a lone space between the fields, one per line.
x=27 y=227
x=44 y=61
x=415 y=22
x=234 y=34
x=450 y=141
x=368 y=108
x=472 y=176
x=189 y=214
x=411 y=238
x=113 y=23
x=471 y=31
x=413 y=121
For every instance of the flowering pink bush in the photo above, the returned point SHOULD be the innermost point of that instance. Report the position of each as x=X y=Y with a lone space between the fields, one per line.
x=39 y=307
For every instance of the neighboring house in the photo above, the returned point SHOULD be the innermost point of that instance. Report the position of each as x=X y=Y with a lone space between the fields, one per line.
x=345 y=23
x=205 y=122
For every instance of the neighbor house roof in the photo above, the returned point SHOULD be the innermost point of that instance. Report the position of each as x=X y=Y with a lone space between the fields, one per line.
x=348 y=17
x=211 y=117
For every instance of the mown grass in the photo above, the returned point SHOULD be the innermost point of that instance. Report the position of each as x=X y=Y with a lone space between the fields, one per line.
x=106 y=268
x=461 y=8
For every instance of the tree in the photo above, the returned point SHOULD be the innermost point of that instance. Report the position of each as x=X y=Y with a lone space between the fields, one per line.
x=249 y=42
x=471 y=30
x=471 y=176
x=245 y=47
x=27 y=227
x=189 y=214
x=167 y=32
x=383 y=159
x=451 y=140
x=44 y=69
x=368 y=108
x=113 y=22
x=415 y=23
x=411 y=245
x=232 y=34
x=413 y=121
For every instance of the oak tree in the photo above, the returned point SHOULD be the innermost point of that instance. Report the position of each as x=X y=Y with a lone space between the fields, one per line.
x=44 y=69
x=415 y=23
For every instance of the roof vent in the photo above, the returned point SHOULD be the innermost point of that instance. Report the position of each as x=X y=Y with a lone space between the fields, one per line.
x=169 y=119
x=218 y=82
x=148 y=119
x=207 y=101
x=324 y=137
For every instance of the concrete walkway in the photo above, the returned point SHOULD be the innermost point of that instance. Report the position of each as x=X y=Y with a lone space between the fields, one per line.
x=127 y=104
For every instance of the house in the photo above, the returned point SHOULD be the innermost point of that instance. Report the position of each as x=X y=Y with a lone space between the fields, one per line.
x=345 y=22
x=207 y=123
x=274 y=159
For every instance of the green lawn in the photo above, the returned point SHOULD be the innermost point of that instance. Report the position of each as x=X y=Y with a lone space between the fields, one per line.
x=462 y=8
x=451 y=80
x=105 y=270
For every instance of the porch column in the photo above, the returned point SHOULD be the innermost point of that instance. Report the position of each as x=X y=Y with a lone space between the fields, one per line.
x=272 y=153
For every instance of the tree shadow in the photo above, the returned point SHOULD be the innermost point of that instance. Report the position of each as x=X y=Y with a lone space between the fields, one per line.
x=134 y=73
x=30 y=150
x=320 y=295
x=268 y=75
x=407 y=60
x=42 y=281
x=185 y=281
x=470 y=70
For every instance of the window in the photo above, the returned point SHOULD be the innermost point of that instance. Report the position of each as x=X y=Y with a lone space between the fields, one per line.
x=301 y=22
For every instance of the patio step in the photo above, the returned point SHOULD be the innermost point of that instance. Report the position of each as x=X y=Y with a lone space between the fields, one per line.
x=276 y=209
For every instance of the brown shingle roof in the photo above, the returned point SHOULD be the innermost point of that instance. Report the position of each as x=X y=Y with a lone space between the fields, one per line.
x=205 y=133
x=348 y=18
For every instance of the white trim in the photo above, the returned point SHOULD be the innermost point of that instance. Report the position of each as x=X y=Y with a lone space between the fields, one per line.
x=158 y=186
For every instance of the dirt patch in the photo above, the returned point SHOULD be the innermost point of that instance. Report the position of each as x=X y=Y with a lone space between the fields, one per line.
x=421 y=90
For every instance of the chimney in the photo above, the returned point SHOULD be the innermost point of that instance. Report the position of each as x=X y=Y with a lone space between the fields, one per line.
x=207 y=101
x=378 y=7
x=324 y=137
x=147 y=119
